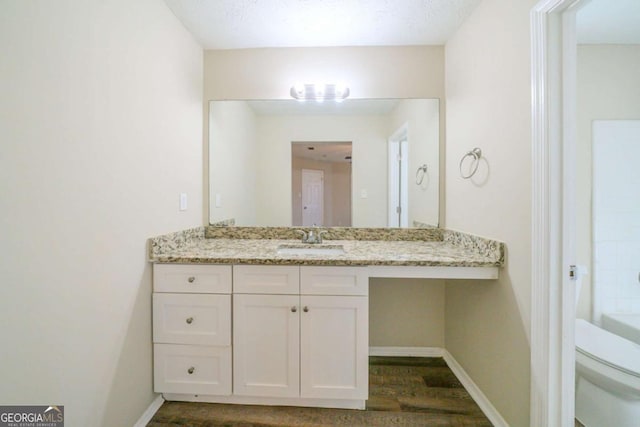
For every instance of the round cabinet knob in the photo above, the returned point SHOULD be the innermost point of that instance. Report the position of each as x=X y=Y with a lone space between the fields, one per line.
x=191 y=370
x=191 y=279
x=294 y=309
x=305 y=309
x=190 y=320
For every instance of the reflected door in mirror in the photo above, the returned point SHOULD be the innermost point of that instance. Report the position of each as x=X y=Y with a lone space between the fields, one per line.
x=312 y=197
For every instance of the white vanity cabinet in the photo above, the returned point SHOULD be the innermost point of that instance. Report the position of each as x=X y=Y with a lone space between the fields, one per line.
x=192 y=329
x=261 y=334
x=301 y=332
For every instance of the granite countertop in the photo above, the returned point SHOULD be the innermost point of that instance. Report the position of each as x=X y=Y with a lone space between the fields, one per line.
x=257 y=245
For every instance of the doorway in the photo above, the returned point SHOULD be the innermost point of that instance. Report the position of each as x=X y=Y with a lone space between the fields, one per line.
x=557 y=120
x=321 y=183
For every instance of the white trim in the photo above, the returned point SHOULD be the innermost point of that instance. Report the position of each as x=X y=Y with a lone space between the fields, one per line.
x=552 y=340
x=269 y=401
x=567 y=293
x=407 y=351
x=474 y=391
x=148 y=414
x=433 y=272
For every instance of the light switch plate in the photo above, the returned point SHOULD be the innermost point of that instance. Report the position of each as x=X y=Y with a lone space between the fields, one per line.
x=183 y=201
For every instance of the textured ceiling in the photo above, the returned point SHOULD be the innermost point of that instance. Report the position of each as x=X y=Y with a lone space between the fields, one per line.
x=237 y=24
x=322 y=151
x=609 y=21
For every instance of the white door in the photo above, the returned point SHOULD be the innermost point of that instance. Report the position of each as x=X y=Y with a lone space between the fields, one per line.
x=266 y=343
x=312 y=197
x=334 y=351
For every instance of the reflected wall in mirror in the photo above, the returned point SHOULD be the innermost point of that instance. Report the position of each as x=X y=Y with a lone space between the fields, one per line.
x=252 y=170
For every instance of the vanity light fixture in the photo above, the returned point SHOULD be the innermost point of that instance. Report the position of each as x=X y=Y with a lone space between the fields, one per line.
x=319 y=92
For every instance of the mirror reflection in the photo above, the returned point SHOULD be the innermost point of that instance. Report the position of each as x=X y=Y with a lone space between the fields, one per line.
x=321 y=183
x=360 y=162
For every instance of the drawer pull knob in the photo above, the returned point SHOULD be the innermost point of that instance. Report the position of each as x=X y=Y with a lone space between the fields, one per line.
x=305 y=309
x=190 y=320
x=294 y=309
x=191 y=370
x=191 y=279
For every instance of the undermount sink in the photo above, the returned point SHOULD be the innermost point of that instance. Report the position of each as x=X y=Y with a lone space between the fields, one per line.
x=310 y=249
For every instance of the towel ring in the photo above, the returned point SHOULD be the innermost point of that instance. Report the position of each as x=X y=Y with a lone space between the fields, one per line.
x=420 y=176
x=476 y=153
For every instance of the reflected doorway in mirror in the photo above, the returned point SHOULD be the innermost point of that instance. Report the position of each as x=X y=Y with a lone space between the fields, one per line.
x=321 y=184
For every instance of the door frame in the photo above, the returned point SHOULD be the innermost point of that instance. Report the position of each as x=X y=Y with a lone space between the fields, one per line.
x=397 y=177
x=553 y=122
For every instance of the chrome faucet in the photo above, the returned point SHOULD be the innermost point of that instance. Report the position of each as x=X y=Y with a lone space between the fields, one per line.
x=312 y=236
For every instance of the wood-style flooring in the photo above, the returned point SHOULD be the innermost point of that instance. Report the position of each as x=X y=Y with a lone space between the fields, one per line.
x=403 y=391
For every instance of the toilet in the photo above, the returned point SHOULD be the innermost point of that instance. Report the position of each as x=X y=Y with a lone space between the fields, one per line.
x=607 y=378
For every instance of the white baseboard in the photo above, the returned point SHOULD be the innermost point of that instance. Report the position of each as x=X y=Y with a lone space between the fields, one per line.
x=406 y=351
x=150 y=412
x=478 y=396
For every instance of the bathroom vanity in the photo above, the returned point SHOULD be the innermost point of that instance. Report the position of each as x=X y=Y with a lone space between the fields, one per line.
x=250 y=315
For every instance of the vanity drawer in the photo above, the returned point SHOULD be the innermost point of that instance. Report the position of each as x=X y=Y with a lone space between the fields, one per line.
x=192 y=369
x=190 y=278
x=266 y=279
x=192 y=319
x=334 y=281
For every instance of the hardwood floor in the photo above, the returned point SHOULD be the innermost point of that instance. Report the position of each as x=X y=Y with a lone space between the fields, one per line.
x=403 y=391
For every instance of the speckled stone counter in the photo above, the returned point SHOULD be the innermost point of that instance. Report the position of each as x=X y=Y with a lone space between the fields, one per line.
x=362 y=246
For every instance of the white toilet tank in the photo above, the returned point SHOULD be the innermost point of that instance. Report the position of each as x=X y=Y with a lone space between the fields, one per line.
x=626 y=325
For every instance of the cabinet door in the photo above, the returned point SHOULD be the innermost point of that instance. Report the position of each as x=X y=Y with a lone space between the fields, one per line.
x=192 y=319
x=334 y=347
x=334 y=280
x=266 y=343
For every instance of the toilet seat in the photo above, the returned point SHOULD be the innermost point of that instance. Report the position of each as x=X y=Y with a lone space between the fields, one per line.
x=609 y=349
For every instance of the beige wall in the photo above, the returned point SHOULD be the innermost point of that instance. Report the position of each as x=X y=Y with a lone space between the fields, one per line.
x=341 y=194
x=232 y=131
x=406 y=313
x=370 y=72
x=101 y=111
x=608 y=88
x=489 y=106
